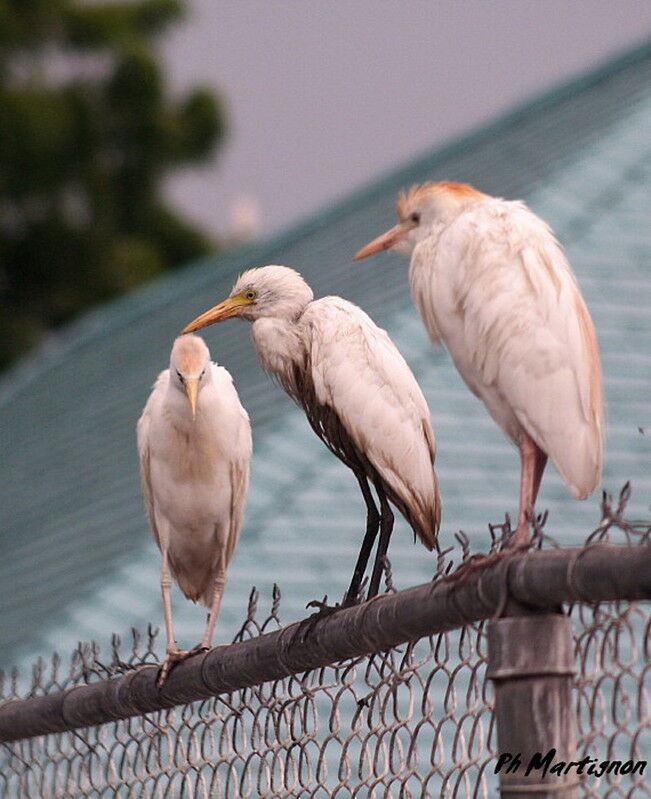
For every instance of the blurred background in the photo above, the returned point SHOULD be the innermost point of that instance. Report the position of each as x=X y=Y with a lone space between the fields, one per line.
x=137 y=135
x=152 y=149
x=321 y=97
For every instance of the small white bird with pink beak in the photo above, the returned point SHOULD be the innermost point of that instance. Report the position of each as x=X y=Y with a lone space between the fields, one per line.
x=194 y=442
x=492 y=283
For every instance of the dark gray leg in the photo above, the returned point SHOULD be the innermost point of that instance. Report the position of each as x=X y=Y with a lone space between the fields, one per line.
x=372 y=525
x=386 y=528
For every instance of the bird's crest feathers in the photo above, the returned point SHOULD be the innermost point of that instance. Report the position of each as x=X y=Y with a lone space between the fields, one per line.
x=457 y=192
x=261 y=275
x=189 y=354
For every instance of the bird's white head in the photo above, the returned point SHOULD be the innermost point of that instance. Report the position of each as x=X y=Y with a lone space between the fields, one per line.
x=419 y=210
x=189 y=370
x=272 y=291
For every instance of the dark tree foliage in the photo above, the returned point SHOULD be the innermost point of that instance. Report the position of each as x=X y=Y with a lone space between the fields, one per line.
x=88 y=133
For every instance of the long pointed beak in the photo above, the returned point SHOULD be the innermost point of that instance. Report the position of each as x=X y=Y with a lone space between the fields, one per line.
x=224 y=310
x=192 y=389
x=385 y=241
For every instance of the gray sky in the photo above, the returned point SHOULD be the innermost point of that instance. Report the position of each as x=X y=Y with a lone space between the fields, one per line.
x=325 y=95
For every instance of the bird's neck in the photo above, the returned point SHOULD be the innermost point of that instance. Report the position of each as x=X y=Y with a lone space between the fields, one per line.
x=278 y=344
x=179 y=411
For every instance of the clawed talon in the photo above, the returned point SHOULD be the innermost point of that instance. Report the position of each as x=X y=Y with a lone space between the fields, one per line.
x=198 y=649
x=174 y=656
x=479 y=562
x=323 y=607
x=177 y=656
x=323 y=611
x=327 y=610
x=171 y=659
x=473 y=564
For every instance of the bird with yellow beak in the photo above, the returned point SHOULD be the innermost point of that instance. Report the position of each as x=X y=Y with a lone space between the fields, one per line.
x=358 y=394
x=194 y=442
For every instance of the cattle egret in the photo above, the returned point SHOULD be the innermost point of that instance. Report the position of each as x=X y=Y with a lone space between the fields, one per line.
x=493 y=284
x=194 y=441
x=358 y=393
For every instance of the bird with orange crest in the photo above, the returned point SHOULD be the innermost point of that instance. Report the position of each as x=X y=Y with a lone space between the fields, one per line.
x=492 y=283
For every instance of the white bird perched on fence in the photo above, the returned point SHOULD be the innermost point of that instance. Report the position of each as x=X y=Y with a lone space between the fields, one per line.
x=358 y=393
x=194 y=441
x=493 y=284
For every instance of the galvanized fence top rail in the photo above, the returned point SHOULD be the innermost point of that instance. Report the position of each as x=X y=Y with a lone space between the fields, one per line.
x=388 y=698
x=541 y=580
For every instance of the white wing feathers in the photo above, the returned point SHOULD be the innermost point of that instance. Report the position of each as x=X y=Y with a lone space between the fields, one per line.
x=519 y=332
x=201 y=516
x=142 y=438
x=357 y=370
x=241 y=447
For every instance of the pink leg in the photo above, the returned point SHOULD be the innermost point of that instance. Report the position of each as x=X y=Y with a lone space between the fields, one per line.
x=165 y=585
x=533 y=461
x=533 y=466
x=541 y=462
x=214 y=610
x=173 y=654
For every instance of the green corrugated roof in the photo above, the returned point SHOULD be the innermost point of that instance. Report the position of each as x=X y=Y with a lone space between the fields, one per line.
x=77 y=561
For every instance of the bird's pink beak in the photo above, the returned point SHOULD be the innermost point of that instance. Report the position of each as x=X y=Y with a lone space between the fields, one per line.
x=386 y=241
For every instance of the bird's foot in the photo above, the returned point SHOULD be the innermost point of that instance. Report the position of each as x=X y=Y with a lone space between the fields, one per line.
x=199 y=649
x=479 y=562
x=473 y=564
x=327 y=610
x=521 y=537
x=322 y=607
x=172 y=657
x=324 y=610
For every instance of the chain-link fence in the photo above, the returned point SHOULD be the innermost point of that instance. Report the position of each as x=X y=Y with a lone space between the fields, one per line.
x=412 y=719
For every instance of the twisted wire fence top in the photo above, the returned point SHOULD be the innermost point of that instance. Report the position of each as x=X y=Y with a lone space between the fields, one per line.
x=87 y=664
x=408 y=720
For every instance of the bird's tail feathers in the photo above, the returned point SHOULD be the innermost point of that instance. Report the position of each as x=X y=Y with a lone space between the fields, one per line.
x=422 y=511
x=197 y=585
x=580 y=466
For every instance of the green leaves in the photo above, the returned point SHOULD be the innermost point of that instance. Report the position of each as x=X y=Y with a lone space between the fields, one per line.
x=88 y=132
x=120 y=25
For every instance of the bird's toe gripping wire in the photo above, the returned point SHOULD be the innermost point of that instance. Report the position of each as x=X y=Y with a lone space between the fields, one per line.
x=306 y=627
x=322 y=605
x=477 y=562
x=480 y=561
x=171 y=659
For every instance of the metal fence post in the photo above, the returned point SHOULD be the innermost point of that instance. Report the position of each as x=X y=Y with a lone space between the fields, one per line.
x=531 y=664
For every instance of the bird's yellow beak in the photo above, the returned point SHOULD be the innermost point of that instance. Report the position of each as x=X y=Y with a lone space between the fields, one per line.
x=192 y=389
x=386 y=240
x=226 y=309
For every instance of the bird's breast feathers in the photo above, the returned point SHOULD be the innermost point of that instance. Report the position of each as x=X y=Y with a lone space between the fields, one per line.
x=496 y=288
x=495 y=270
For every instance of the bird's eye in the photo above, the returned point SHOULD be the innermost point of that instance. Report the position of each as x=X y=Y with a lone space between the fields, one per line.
x=251 y=294
x=203 y=372
x=415 y=217
x=180 y=376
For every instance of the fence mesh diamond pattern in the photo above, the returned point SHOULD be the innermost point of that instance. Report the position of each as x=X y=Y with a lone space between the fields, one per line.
x=415 y=720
